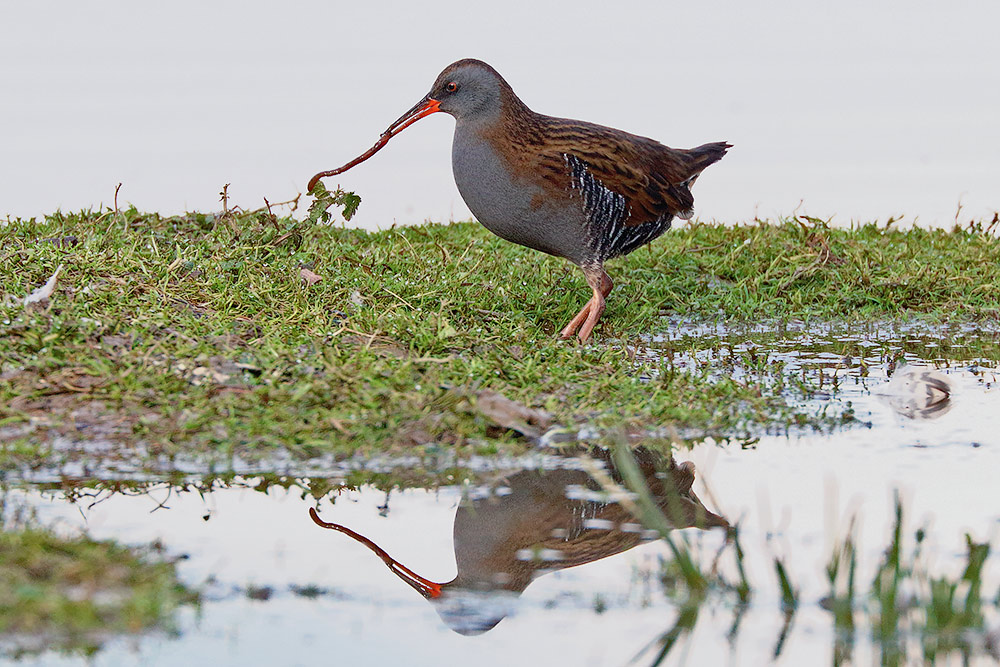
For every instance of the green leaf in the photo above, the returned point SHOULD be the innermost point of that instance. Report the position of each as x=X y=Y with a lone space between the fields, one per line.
x=325 y=199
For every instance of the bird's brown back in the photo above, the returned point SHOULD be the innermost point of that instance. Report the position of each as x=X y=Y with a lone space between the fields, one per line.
x=652 y=178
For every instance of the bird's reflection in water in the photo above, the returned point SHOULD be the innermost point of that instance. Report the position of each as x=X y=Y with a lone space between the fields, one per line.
x=538 y=521
x=918 y=393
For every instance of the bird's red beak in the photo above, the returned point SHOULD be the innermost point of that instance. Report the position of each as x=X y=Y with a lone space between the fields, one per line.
x=424 y=107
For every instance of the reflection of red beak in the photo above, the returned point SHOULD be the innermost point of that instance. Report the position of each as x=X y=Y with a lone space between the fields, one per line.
x=429 y=589
x=424 y=107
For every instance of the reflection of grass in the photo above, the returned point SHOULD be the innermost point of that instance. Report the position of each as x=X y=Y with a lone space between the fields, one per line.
x=73 y=592
x=199 y=335
x=841 y=571
x=942 y=615
x=945 y=614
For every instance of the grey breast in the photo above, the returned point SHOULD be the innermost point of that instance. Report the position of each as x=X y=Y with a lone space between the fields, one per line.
x=514 y=208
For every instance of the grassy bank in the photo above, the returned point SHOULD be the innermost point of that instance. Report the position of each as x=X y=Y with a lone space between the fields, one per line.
x=246 y=333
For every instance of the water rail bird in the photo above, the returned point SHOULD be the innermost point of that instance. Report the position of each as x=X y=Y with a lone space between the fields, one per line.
x=569 y=188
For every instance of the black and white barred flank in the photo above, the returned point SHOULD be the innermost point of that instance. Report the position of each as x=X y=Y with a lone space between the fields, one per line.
x=607 y=212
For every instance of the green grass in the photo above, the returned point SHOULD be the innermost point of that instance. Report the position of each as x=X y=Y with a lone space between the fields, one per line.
x=198 y=336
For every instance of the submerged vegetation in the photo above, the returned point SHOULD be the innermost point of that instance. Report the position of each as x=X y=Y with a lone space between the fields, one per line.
x=248 y=334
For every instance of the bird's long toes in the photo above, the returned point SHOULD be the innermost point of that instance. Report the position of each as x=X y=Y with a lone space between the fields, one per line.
x=575 y=323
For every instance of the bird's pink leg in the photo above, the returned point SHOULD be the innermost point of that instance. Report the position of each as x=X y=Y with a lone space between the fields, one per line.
x=600 y=282
x=596 y=309
x=575 y=323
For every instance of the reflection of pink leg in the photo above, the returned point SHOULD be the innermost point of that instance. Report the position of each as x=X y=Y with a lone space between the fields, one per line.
x=600 y=282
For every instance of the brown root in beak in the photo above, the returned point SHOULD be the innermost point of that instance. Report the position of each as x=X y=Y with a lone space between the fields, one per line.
x=424 y=107
x=429 y=589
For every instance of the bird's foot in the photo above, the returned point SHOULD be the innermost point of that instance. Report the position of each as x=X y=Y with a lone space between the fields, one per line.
x=575 y=323
x=594 y=314
x=586 y=319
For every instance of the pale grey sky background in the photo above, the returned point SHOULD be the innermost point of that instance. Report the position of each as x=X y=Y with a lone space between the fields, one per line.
x=858 y=110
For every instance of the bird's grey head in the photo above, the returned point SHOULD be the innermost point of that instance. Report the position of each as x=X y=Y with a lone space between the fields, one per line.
x=470 y=90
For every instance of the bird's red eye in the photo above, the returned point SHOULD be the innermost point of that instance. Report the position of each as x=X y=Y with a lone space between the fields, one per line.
x=451 y=87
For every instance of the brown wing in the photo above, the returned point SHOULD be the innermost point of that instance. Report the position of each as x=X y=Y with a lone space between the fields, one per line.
x=652 y=178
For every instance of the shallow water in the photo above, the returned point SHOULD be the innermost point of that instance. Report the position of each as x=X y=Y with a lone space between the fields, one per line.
x=792 y=496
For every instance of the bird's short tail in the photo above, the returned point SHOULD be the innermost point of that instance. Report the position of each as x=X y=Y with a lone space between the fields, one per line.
x=697 y=159
x=705 y=155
